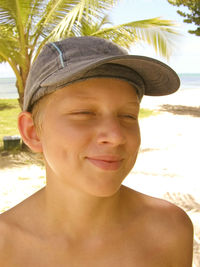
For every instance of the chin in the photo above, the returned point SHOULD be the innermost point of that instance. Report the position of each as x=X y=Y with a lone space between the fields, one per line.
x=104 y=191
x=104 y=184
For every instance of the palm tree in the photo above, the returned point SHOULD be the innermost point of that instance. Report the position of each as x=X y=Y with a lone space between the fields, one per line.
x=156 y=32
x=27 y=25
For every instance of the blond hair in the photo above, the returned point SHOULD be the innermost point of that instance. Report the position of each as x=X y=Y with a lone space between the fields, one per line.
x=37 y=111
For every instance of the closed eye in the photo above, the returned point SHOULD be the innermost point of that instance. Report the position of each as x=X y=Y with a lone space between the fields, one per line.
x=83 y=113
x=128 y=116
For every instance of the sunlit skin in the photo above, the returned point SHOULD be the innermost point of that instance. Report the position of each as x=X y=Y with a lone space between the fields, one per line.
x=84 y=217
x=90 y=121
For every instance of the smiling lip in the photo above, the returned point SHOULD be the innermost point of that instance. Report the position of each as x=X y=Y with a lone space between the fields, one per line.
x=108 y=163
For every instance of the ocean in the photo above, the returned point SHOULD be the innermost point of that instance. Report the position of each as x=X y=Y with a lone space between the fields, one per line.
x=8 y=89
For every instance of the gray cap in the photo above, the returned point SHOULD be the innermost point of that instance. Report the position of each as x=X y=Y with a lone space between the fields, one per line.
x=76 y=58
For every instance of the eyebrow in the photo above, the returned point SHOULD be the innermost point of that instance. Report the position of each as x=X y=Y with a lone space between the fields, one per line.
x=86 y=97
x=133 y=103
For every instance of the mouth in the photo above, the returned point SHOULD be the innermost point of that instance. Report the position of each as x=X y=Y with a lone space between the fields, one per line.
x=106 y=163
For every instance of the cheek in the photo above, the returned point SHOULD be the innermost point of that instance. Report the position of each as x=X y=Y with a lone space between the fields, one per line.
x=133 y=143
x=64 y=139
x=138 y=136
x=134 y=136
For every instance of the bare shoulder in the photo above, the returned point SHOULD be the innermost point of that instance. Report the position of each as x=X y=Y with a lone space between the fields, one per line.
x=176 y=230
x=168 y=217
x=162 y=212
x=15 y=225
x=8 y=225
x=178 y=234
x=167 y=226
x=5 y=239
x=171 y=216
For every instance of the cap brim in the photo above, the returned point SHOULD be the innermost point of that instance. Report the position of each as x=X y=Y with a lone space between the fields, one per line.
x=159 y=78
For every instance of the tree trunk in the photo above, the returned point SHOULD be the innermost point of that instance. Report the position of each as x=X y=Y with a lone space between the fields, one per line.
x=21 y=96
x=20 y=89
x=21 y=100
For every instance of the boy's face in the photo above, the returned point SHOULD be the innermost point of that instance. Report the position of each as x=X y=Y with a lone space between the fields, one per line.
x=90 y=135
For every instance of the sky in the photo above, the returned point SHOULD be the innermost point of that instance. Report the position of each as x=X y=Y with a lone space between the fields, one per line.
x=184 y=59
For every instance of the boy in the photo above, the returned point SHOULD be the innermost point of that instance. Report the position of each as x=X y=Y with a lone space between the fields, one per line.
x=81 y=109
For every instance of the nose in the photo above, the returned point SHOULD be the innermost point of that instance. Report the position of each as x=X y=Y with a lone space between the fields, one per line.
x=111 y=132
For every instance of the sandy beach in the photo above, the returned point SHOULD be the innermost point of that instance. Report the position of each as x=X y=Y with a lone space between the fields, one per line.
x=167 y=165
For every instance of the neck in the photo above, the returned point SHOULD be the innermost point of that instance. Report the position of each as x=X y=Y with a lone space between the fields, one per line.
x=75 y=213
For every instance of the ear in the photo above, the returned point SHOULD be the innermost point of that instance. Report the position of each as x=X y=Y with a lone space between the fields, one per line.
x=28 y=131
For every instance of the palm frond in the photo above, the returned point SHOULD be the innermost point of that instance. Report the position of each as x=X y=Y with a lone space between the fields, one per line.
x=85 y=9
x=15 y=14
x=50 y=15
x=159 y=33
x=14 y=10
x=8 y=51
x=26 y=25
x=35 y=13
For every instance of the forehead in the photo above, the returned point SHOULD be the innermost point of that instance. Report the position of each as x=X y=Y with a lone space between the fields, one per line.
x=97 y=89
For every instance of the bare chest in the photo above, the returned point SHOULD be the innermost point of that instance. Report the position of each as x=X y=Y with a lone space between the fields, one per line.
x=120 y=252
